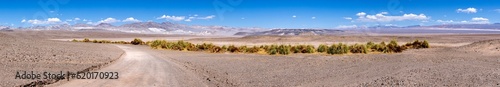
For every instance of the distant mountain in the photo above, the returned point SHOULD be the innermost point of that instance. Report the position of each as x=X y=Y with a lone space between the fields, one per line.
x=104 y=25
x=144 y=25
x=468 y=26
x=82 y=25
x=450 y=26
x=152 y=28
x=384 y=27
x=293 y=32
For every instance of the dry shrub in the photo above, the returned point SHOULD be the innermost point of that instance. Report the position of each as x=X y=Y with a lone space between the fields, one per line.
x=417 y=44
x=284 y=49
x=136 y=41
x=191 y=47
x=302 y=49
x=233 y=49
x=322 y=48
x=216 y=49
x=242 y=49
x=394 y=47
x=425 y=44
x=86 y=40
x=253 y=49
x=157 y=44
x=357 y=48
x=338 y=49
x=272 y=50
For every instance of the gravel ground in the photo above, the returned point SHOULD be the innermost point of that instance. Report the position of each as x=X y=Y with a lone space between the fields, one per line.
x=476 y=64
x=19 y=54
x=453 y=66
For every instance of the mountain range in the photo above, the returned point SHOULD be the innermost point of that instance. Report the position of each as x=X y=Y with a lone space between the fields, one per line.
x=174 y=28
x=151 y=28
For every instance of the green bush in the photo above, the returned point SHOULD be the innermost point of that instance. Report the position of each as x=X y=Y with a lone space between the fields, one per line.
x=309 y=49
x=158 y=44
x=302 y=49
x=382 y=47
x=74 y=40
x=284 y=50
x=332 y=49
x=233 y=49
x=322 y=48
x=191 y=47
x=356 y=48
x=370 y=45
x=272 y=50
x=425 y=44
x=338 y=49
x=224 y=48
x=205 y=46
x=86 y=40
x=242 y=49
x=394 y=47
x=253 y=49
x=216 y=49
x=417 y=44
x=136 y=41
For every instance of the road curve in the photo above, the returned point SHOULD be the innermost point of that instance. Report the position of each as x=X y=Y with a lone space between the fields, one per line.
x=137 y=68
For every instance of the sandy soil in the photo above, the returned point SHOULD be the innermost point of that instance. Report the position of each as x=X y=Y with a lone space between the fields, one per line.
x=458 y=60
x=19 y=54
x=458 y=66
x=138 y=68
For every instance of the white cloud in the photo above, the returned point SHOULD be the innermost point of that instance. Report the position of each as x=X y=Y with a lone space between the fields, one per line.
x=313 y=17
x=479 y=19
x=189 y=19
x=475 y=20
x=53 y=20
x=346 y=26
x=173 y=18
x=76 y=19
x=131 y=19
x=184 y=18
x=242 y=18
x=468 y=10
x=348 y=18
x=42 y=22
x=361 y=14
x=294 y=16
x=109 y=20
x=381 y=17
x=36 y=22
x=207 y=17
x=445 y=21
x=85 y=20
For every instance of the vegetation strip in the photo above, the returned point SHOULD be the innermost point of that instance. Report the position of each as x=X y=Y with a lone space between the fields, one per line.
x=333 y=49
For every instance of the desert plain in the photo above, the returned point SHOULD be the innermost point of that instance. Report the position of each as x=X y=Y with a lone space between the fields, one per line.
x=460 y=59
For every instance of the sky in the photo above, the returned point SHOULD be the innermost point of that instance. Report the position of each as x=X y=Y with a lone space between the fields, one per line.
x=251 y=13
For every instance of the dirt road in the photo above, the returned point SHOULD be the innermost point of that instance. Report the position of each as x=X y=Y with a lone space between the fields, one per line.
x=138 y=68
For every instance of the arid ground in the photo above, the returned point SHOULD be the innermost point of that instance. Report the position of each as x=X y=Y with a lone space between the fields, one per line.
x=453 y=60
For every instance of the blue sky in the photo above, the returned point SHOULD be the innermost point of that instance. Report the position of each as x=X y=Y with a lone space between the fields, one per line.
x=252 y=13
